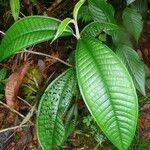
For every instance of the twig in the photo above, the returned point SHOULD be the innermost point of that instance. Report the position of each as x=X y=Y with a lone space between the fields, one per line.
x=13 y=110
x=42 y=54
x=24 y=101
x=13 y=128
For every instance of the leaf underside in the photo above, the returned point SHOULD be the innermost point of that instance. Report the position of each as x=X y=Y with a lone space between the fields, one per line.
x=107 y=90
x=132 y=20
x=28 y=31
x=54 y=103
x=134 y=66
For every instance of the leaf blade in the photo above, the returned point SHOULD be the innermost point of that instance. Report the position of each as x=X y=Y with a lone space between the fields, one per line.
x=101 y=11
x=61 y=28
x=95 y=28
x=111 y=99
x=76 y=8
x=132 y=18
x=54 y=102
x=28 y=31
x=15 y=8
x=134 y=66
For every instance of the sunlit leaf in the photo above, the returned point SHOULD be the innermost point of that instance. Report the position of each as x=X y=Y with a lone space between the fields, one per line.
x=28 y=31
x=107 y=90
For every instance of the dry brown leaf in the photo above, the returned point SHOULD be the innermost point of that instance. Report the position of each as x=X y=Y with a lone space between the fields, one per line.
x=13 y=85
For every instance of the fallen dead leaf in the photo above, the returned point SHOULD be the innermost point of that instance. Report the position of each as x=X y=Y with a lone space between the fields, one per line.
x=13 y=85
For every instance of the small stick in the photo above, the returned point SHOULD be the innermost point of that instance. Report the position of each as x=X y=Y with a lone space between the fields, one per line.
x=13 y=128
x=13 y=110
x=24 y=101
x=42 y=54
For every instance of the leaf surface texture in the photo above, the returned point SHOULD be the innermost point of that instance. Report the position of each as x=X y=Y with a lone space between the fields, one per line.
x=54 y=103
x=28 y=31
x=107 y=90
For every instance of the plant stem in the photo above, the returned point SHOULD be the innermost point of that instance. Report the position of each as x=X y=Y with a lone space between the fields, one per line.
x=76 y=29
x=2 y=32
x=42 y=54
x=13 y=128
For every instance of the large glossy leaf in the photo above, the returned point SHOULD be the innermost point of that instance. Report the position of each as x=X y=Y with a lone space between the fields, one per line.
x=28 y=31
x=15 y=8
x=133 y=22
x=107 y=90
x=101 y=11
x=54 y=103
x=134 y=65
x=95 y=28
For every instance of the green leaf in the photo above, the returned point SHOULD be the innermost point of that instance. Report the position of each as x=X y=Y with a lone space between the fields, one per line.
x=95 y=28
x=53 y=105
x=107 y=90
x=101 y=11
x=15 y=8
x=28 y=31
x=132 y=20
x=134 y=66
x=3 y=73
x=129 y=1
x=76 y=8
x=84 y=14
x=122 y=38
x=61 y=28
x=140 y=6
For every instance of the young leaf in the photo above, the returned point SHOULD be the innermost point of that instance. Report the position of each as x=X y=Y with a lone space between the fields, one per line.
x=76 y=8
x=61 y=28
x=95 y=28
x=71 y=121
x=107 y=90
x=129 y=1
x=101 y=11
x=15 y=8
x=132 y=20
x=134 y=66
x=28 y=31
x=54 y=103
x=84 y=14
